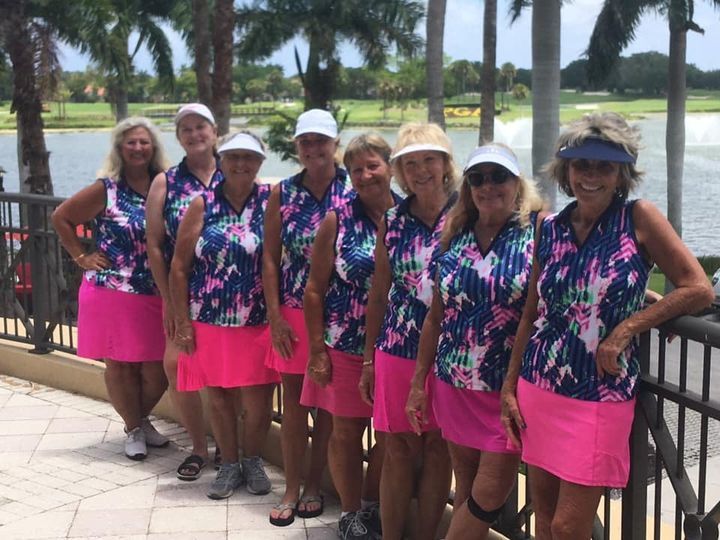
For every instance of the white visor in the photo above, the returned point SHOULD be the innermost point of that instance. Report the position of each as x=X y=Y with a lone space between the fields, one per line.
x=493 y=154
x=242 y=141
x=419 y=148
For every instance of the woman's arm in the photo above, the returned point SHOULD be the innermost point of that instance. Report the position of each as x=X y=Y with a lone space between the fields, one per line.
x=155 y=236
x=416 y=406
x=82 y=207
x=377 y=304
x=180 y=267
x=322 y=262
x=280 y=331
x=692 y=292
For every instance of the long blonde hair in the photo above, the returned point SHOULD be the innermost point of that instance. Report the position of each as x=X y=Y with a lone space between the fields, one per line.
x=113 y=164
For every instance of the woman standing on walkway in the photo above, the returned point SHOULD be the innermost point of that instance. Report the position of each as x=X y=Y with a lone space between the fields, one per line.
x=120 y=311
x=335 y=303
x=481 y=282
x=168 y=201
x=295 y=210
x=574 y=365
x=399 y=297
x=216 y=290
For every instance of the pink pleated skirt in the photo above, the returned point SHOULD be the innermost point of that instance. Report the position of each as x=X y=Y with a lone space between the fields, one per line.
x=340 y=397
x=118 y=325
x=584 y=442
x=297 y=363
x=226 y=357
x=392 y=387
x=470 y=418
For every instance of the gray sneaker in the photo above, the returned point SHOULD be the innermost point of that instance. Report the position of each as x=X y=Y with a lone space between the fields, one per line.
x=354 y=525
x=152 y=436
x=256 y=481
x=228 y=478
x=135 y=446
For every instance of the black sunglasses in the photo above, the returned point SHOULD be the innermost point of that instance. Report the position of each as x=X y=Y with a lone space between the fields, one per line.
x=603 y=168
x=497 y=177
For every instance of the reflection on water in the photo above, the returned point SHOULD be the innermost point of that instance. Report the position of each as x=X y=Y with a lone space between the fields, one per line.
x=75 y=157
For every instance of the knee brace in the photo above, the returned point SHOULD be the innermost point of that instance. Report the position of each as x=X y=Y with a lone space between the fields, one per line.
x=488 y=516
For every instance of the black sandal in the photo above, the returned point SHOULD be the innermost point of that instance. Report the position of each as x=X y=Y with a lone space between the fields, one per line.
x=191 y=467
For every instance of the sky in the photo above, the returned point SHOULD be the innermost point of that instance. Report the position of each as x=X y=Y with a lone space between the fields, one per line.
x=464 y=19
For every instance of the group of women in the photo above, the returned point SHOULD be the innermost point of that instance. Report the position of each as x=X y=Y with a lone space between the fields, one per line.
x=474 y=328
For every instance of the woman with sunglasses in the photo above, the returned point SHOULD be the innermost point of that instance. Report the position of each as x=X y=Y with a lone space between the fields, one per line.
x=401 y=291
x=569 y=395
x=481 y=282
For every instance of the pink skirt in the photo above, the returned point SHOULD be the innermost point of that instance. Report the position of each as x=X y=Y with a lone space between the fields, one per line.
x=297 y=363
x=340 y=397
x=226 y=357
x=470 y=417
x=118 y=325
x=584 y=442
x=392 y=387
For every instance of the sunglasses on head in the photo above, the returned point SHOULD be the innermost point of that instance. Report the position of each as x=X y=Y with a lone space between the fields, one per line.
x=601 y=167
x=497 y=177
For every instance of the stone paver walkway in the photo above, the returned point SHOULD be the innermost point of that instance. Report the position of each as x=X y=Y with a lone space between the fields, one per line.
x=63 y=474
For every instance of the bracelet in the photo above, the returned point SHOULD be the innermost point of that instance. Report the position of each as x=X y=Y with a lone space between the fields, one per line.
x=368 y=363
x=77 y=259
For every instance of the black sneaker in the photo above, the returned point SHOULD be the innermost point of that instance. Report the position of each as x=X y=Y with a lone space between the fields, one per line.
x=354 y=525
x=373 y=519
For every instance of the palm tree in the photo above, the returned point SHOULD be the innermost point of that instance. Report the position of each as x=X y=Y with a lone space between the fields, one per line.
x=465 y=72
x=545 y=86
x=435 y=29
x=614 y=30
x=508 y=73
x=203 y=50
x=487 y=81
x=223 y=59
x=373 y=26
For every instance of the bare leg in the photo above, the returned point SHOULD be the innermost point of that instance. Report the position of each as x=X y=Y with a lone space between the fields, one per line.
x=575 y=511
x=188 y=404
x=371 y=486
x=434 y=485
x=345 y=457
x=257 y=406
x=544 y=491
x=465 y=462
x=496 y=476
x=318 y=458
x=396 y=483
x=154 y=383
x=224 y=421
x=124 y=386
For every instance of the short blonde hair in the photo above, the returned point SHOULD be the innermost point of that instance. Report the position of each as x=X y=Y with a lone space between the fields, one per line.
x=464 y=213
x=608 y=126
x=113 y=164
x=362 y=144
x=425 y=133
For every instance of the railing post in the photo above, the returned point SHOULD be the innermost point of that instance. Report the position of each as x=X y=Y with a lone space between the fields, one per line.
x=37 y=227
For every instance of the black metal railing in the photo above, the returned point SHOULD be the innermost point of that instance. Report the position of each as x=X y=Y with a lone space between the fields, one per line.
x=675 y=443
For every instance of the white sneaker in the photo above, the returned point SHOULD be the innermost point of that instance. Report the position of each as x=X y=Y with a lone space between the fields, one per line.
x=135 y=446
x=152 y=436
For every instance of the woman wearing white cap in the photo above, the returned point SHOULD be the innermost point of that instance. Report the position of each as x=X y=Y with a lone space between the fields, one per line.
x=168 y=200
x=481 y=284
x=296 y=208
x=216 y=290
x=400 y=295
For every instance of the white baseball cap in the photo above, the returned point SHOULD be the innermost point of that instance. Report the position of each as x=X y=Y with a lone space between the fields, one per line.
x=242 y=141
x=194 y=108
x=493 y=154
x=316 y=121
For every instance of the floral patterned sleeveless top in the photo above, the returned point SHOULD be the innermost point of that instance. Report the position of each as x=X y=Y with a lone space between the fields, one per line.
x=301 y=214
x=120 y=236
x=225 y=286
x=182 y=187
x=347 y=294
x=483 y=295
x=584 y=292
x=411 y=246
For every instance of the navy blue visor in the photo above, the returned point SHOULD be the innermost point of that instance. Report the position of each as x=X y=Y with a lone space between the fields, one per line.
x=598 y=150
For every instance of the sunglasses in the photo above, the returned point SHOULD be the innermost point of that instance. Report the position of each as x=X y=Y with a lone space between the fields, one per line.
x=601 y=167
x=497 y=177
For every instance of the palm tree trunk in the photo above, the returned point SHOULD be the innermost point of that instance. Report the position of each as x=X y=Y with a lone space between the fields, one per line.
x=121 y=101
x=675 y=131
x=487 y=91
x=546 y=90
x=222 y=72
x=203 y=55
x=434 y=61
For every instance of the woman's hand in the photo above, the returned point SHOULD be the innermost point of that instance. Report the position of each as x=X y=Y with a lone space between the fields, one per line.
x=319 y=367
x=92 y=261
x=510 y=415
x=184 y=336
x=367 y=383
x=609 y=350
x=283 y=337
x=416 y=409
x=168 y=321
